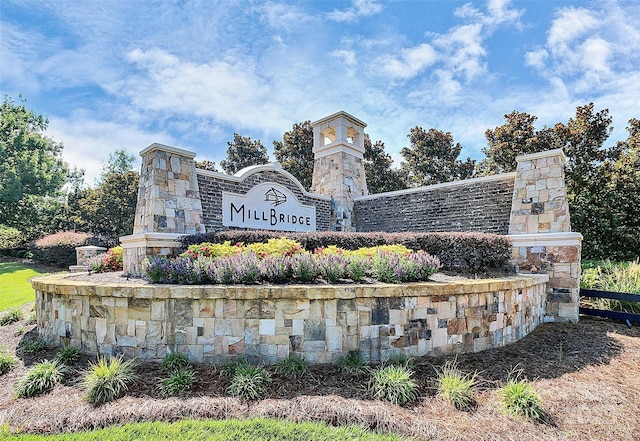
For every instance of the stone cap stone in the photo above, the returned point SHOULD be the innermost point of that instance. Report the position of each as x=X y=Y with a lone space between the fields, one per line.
x=343 y=114
x=545 y=154
x=90 y=248
x=169 y=149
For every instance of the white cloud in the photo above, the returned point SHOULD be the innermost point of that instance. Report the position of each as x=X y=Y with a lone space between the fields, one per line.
x=410 y=63
x=88 y=142
x=360 y=8
x=498 y=12
x=284 y=15
x=570 y=24
x=230 y=90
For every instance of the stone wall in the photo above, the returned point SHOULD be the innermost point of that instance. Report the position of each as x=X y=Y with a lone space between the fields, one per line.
x=216 y=324
x=481 y=205
x=212 y=184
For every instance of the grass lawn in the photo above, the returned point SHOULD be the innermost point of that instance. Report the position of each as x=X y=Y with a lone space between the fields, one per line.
x=225 y=430
x=15 y=289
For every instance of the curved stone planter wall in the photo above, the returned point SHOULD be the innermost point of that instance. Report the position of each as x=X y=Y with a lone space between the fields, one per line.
x=213 y=324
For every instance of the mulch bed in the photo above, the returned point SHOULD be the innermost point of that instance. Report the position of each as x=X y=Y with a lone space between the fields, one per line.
x=588 y=375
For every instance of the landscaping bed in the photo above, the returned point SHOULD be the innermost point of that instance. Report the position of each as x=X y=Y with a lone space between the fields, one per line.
x=588 y=375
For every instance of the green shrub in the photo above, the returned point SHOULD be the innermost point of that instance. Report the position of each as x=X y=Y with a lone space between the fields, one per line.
x=60 y=248
x=180 y=380
x=107 y=380
x=175 y=361
x=68 y=355
x=394 y=384
x=12 y=316
x=519 y=398
x=7 y=361
x=41 y=378
x=454 y=387
x=291 y=367
x=32 y=347
x=467 y=252
x=10 y=239
x=249 y=382
x=353 y=362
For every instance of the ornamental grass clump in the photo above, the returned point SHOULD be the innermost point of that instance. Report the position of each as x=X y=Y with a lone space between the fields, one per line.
x=354 y=363
x=249 y=382
x=68 y=355
x=12 y=316
x=107 y=380
x=7 y=361
x=394 y=384
x=180 y=380
x=42 y=377
x=454 y=387
x=32 y=347
x=291 y=367
x=519 y=398
x=174 y=361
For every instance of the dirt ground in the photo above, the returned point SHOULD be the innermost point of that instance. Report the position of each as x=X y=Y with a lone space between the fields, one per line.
x=588 y=375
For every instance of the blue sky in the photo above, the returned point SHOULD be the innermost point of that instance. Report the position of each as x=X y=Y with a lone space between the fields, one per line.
x=127 y=73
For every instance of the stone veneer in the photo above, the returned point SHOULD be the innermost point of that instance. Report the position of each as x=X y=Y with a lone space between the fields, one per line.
x=480 y=205
x=540 y=229
x=215 y=324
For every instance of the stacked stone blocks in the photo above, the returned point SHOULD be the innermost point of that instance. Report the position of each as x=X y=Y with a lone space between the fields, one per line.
x=216 y=324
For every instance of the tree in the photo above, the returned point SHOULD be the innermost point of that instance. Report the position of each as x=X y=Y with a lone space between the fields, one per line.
x=377 y=164
x=206 y=165
x=31 y=167
x=119 y=162
x=432 y=158
x=516 y=137
x=602 y=182
x=295 y=152
x=243 y=152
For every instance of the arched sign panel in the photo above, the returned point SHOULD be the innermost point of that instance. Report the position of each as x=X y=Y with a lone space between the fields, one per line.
x=267 y=206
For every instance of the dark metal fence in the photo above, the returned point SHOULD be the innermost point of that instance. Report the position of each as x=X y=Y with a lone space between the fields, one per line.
x=615 y=315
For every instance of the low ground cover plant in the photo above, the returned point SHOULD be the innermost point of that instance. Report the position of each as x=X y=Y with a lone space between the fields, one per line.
x=283 y=260
x=68 y=355
x=180 y=380
x=40 y=378
x=32 y=347
x=107 y=380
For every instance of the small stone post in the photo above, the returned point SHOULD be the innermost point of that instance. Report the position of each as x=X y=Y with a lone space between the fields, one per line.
x=540 y=228
x=168 y=206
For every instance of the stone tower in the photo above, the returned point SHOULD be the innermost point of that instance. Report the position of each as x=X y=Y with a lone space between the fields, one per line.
x=338 y=170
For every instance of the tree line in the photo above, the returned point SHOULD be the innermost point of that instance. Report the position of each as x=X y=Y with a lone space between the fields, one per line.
x=603 y=181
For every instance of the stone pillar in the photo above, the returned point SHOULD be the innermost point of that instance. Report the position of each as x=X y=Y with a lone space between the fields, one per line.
x=168 y=206
x=540 y=228
x=338 y=171
x=83 y=254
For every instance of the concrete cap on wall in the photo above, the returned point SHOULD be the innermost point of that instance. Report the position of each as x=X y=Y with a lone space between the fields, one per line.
x=545 y=154
x=168 y=149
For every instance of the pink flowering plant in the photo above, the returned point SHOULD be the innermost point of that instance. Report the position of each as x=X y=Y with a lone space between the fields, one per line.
x=285 y=261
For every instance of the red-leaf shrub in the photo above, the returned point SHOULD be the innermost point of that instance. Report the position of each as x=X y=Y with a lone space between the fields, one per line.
x=462 y=252
x=59 y=249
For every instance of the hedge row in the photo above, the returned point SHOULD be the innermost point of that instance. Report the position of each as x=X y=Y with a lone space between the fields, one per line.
x=59 y=249
x=461 y=252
